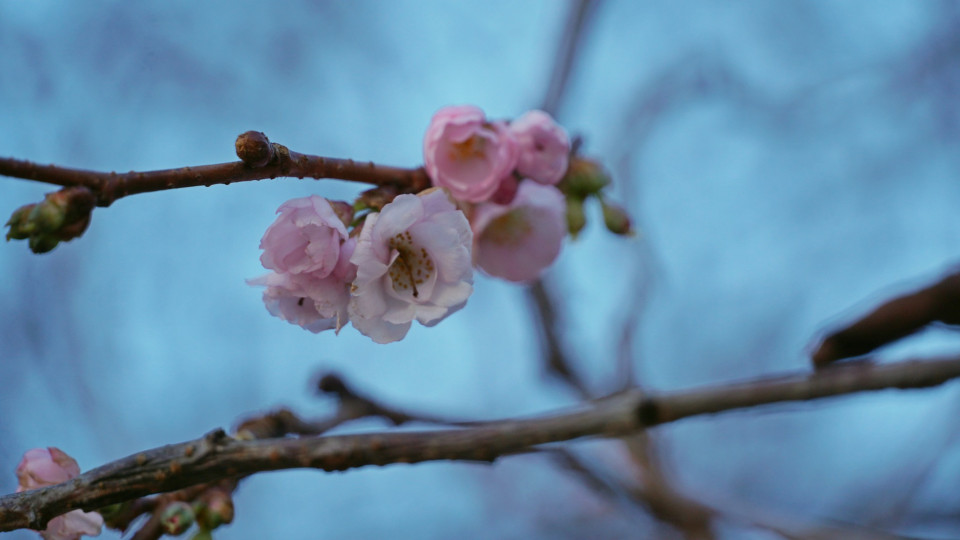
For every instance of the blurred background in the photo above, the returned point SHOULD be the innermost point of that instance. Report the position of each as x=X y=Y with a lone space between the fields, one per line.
x=788 y=165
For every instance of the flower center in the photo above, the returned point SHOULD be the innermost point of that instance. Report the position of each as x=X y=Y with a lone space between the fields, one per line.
x=411 y=267
x=472 y=148
x=509 y=229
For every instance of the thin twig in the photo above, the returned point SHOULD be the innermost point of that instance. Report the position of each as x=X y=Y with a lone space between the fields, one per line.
x=554 y=354
x=567 y=50
x=110 y=186
x=218 y=456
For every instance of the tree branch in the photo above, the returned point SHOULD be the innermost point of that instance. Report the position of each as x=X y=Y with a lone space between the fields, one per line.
x=218 y=456
x=261 y=159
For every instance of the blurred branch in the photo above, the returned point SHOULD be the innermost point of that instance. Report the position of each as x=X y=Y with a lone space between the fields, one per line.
x=658 y=498
x=893 y=320
x=218 y=456
x=260 y=159
x=567 y=49
x=554 y=354
x=543 y=303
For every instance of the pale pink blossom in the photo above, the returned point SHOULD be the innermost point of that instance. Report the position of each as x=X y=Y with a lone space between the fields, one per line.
x=41 y=467
x=73 y=525
x=312 y=300
x=518 y=241
x=468 y=155
x=544 y=147
x=44 y=467
x=413 y=262
x=305 y=237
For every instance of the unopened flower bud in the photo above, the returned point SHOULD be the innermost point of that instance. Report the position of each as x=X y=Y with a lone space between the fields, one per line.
x=254 y=149
x=214 y=509
x=177 y=517
x=616 y=219
x=576 y=218
x=43 y=243
x=584 y=178
x=202 y=534
x=20 y=225
x=61 y=216
x=49 y=215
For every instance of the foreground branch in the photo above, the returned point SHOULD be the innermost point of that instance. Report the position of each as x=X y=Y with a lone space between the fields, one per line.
x=218 y=456
x=261 y=159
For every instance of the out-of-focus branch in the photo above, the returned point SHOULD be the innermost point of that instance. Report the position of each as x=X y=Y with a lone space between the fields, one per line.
x=260 y=159
x=217 y=456
x=554 y=353
x=544 y=305
x=893 y=320
x=567 y=49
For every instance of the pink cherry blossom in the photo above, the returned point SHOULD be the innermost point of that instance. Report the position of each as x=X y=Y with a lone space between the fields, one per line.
x=312 y=300
x=41 y=467
x=518 y=241
x=468 y=155
x=306 y=237
x=44 y=467
x=73 y=525
x=413 y=262
x=544 y=147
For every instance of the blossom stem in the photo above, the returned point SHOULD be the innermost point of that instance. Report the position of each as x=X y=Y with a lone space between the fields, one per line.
x=110 y=186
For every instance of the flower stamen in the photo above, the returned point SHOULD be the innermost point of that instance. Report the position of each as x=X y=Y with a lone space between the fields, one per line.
x=412 y=266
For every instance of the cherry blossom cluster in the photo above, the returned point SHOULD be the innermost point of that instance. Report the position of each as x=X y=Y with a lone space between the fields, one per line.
x=494 y=205
x=43 y=467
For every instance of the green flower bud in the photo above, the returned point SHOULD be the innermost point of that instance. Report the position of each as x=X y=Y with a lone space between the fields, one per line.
x=177 y=518
x=61 y=216
x=20 y=225
x=202 y=534
x=584 y=178
x=576 y=217
x=48 y=216
x=616 y=219
x=43 y=243
x=215 y=508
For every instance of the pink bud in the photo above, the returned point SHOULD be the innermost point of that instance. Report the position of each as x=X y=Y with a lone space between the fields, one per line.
x=466 y=154
x=45 y=467
x=544 y=147
x=41 y=467
x=306 y=237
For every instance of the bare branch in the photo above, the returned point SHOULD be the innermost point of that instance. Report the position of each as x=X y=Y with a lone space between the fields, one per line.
x=893 y=320
x=280 y=161
x=218 y=456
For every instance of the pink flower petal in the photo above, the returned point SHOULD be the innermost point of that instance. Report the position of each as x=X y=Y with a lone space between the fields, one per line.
x=412 y=259
x=518 y=241
x=544 y=147
x=468 y=155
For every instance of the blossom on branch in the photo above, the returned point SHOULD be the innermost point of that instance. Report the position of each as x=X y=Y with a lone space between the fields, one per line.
x=413 y=262
x=41 y=467
x=519 y=240
x=309 y=251
x=468 y=155
x=306 y=237
x=544 y=147
x=312 y=302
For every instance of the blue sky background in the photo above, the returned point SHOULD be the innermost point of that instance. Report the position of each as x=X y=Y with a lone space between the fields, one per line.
x=788 y=164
